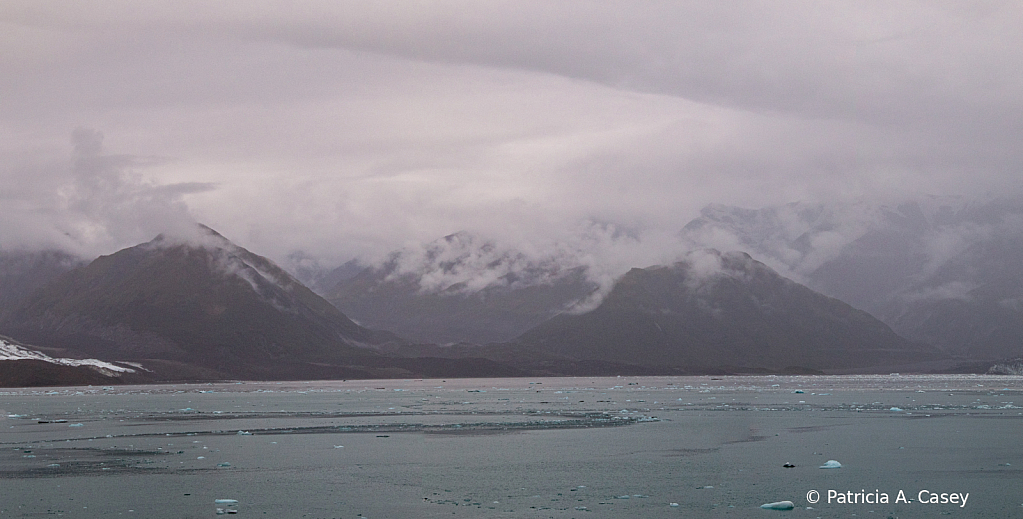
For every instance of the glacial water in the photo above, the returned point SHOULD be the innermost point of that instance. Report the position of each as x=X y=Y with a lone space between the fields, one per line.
x=906 y=446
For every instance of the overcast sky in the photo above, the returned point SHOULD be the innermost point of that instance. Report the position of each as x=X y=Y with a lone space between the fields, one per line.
x=349 y=129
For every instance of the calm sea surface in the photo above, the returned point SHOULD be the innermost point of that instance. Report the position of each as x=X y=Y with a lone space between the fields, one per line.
x=536 y=448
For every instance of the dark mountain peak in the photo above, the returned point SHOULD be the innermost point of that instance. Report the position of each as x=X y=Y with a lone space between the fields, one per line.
x=723 y=309
x=459 y=237
x=224 y=258
x=706 y=278
x=196 y=298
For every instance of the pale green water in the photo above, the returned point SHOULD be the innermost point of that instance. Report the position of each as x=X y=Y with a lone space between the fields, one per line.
x=515 y=447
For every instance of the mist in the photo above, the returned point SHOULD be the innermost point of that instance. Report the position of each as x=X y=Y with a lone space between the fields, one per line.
x=566 y=134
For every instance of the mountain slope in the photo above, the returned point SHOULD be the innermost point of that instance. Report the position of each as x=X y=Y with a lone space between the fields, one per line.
x=943 y=270
x=24 y=272
x=459 y=289
x=201 y=301
x=21 y=366
x=714 y=310
x=971 y=303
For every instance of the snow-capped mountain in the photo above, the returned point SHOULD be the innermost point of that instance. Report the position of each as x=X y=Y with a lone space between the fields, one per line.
x=944 y=270
x=462 y=288
x=198 y=300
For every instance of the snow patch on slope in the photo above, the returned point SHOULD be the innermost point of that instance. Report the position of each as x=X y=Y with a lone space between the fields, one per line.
x=10 y=351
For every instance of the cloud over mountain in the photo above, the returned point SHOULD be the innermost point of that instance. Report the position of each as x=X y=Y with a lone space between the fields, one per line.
x=347 y=130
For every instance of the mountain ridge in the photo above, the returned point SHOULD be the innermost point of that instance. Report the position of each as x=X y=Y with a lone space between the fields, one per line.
x=717 y=309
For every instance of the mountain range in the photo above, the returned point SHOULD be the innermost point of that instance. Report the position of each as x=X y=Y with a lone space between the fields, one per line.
x=939 y=270
x=203 y=307
x=818 y=288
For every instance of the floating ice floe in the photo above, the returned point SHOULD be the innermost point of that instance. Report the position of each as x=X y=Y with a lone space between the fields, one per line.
x=831 y=464
x=895 y=409
x=780 y=505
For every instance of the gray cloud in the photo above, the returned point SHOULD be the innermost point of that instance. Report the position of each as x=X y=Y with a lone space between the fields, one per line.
x=353 y=129
x=97 y=203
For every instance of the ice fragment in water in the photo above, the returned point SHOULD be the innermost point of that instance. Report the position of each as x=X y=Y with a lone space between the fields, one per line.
x=75 y=425
x=831 y=464
x=244 y=433
x=780 y=505
x=895 y=409
x=225 y=501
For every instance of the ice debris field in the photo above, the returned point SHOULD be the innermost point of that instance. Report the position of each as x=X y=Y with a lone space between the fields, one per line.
x=542 y=447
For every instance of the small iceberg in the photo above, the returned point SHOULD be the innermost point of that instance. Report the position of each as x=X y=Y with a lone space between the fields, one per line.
x=225 y=501
x=780 y=505
x=831 y=464
x=895 y=409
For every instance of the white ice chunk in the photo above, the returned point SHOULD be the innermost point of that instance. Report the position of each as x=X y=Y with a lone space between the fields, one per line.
x=780 y=505
x=831 y=464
